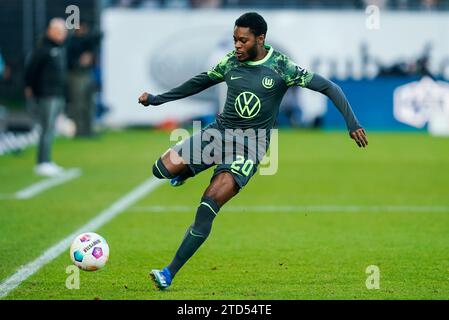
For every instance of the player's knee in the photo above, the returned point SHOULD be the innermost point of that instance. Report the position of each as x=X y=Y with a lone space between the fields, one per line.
x=222 y=188
x=160 y=171
x=211 y=204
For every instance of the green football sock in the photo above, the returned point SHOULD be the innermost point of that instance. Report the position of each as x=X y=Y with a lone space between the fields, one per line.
x=196 y=234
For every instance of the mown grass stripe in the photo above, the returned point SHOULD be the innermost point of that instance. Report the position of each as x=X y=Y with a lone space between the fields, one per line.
x=102 y=218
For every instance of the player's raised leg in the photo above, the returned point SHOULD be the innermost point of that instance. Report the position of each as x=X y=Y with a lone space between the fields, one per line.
x=171 y=166
x=221 y=189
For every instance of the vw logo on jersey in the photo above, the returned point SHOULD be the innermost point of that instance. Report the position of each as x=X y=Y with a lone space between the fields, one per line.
x=268 y=82
x=247 y=105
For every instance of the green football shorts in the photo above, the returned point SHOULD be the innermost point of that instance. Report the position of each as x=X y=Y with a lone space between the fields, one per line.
x=235 y=151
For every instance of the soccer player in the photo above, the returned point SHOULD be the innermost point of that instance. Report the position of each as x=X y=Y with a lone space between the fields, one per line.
x=257 y=77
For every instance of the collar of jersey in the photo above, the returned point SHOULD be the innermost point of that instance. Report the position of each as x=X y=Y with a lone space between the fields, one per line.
x=256 y=63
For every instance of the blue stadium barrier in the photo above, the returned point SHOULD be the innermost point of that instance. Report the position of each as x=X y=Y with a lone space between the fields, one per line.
x=372 y=102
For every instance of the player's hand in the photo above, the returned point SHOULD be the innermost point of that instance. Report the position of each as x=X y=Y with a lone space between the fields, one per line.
x=143 y=99
x=360 y=138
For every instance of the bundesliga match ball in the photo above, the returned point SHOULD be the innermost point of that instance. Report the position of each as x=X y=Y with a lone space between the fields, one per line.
x=89 y=251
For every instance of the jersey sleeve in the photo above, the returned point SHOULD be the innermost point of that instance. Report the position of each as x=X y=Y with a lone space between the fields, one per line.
x=218 y=72
x=295 y=75
x=192 y=86
x=334 y=92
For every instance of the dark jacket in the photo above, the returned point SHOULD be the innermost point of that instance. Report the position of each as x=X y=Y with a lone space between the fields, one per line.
x=77 y=45
x=46 y=70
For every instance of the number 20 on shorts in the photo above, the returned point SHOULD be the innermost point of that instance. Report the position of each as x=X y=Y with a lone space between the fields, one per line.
x=240 y=165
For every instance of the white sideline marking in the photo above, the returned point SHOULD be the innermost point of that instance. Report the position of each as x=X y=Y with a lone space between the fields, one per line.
x=102 y=218
x=43 y=185
x=305 y=208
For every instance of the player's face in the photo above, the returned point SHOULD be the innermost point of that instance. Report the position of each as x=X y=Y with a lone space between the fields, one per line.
x=245 y=43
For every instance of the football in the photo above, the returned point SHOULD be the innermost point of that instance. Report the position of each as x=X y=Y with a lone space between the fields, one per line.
x=89 y=251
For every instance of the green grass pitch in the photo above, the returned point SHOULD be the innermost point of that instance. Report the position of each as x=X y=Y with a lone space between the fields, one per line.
x=308 y=232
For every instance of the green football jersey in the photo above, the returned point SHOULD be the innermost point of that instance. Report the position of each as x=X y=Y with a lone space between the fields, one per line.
x=256 y=88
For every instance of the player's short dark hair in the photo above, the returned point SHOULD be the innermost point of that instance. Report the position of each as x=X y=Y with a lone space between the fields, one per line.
x=254 y=21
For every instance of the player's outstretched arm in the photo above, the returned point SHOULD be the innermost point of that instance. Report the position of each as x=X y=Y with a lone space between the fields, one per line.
x=334 y=92
x=188 y=88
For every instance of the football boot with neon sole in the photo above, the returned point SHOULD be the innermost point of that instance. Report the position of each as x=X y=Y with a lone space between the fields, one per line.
x=161 y=278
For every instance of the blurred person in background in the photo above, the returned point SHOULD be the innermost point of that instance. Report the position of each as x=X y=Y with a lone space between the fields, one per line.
x=2 y=65
x=206 y=3
x=81 y=55
x=5 y=70
x=45 y=81
x=381 y=4
x=290 y=114
x=429 y=5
